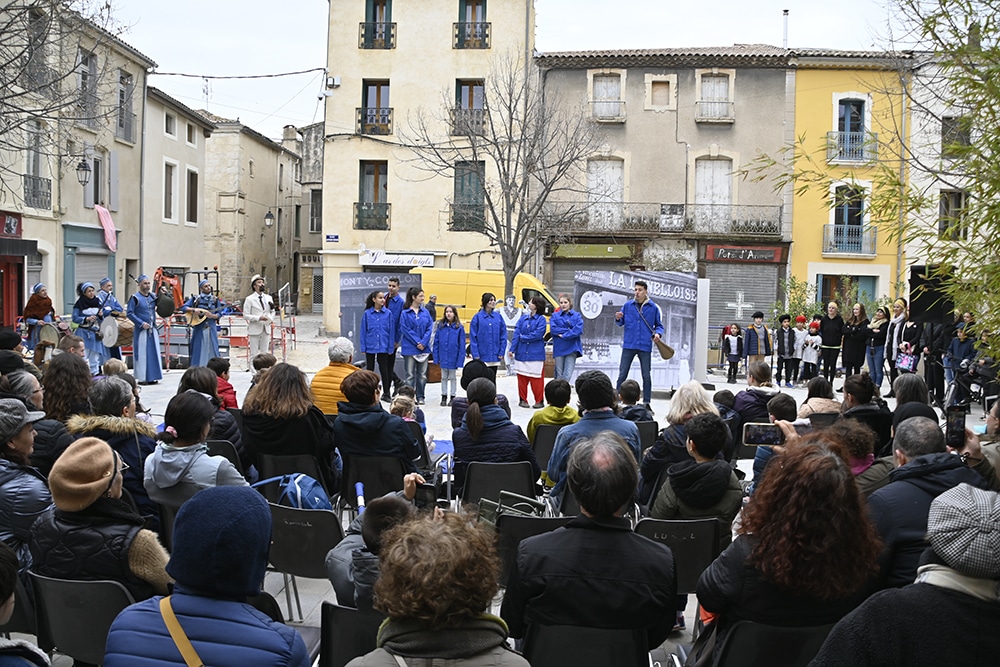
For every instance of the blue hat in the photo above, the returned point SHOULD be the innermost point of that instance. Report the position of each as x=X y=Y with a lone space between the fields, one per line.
x=105 y=281
x=142 y=277
x=84 y=286
x=37 y=288
x=203 y=283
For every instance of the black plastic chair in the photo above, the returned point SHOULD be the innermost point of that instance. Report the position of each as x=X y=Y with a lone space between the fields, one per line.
x=648 y=430
x=238 y=416
x=512 y=529
x=570 y=506
x=379 y=474
x=300 y=540
x=694 y=544
x=585 y=647
x=487 y=480
x=544 y=442
x=167 y=516
x=23 y=618
x=77 y=615
x=226 y=450
x=818 y=420
x=346 y=634
x=749 y=644
x=273 y=465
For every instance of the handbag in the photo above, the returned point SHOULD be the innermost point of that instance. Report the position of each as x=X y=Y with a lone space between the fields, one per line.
x=181 y=640
x=907 y=362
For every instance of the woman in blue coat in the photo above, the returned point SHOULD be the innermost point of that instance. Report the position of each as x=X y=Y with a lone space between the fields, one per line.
x=87 y=317
x=415 y=325
x=378 y=339
x=488 y=334
x=449 y=352
x=527 y=352
x=566 y=327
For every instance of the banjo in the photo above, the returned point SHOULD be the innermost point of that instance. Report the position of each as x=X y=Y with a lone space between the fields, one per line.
x=196 y=316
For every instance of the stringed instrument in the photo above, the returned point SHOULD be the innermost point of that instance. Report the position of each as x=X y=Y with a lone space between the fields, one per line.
x=196 y=316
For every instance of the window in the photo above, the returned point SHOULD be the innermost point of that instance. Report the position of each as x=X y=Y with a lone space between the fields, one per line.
x=193 y=196
x=87 y=87
x=852 y=142
x=192 y=134
x=472 y=30
x=848 y=233
x=607 y=101
x=37 y=190
x=33 y=160
x=951 y=215
x=713 y=195
x=470 y=102
x=316 y=210
x=468 y=208
x=661 y=92
x=372 y=209
x=125 y=127
x=605 y=193
x=956 y=136
x=298 y=221
x=281 y=176
x=846 y=289
x=378 y=31
x=169 y=190
x=170 y=125
x=715 y=102
x=37 y=75
x=97 y=179
x=375 y=114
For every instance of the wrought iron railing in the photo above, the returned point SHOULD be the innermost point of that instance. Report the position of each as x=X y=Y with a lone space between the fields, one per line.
x=647 y=218
x=377 y=35
x=37 y=76
x=608 y=111
x=850 y=240
x=715 y=111
x=851 y=146
x=37 y=191
x=467 y=121
x=125 y=127
x=468 y=217
x=374 y=120
x=371 y=215
x=472 y=35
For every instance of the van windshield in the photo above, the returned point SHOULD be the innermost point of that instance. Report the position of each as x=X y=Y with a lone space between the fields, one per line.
x=527 y=293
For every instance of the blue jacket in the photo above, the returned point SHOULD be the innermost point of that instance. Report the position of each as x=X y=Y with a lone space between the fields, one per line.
x=395 y=306
x=225 y=633
x=959 y=350
x=528 y=343
x=590 y=424
x=566 y=327
x=449 y=345
x=488 y=336
x=415 y=328
x=24 y=497
x=756 y=342
x=639 y=336
x=377 y=331
x=500 y=441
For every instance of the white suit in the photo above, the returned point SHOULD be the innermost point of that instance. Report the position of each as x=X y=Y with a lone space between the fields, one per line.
x=259 y=332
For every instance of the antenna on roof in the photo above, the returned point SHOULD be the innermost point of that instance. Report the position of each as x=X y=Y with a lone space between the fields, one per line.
x=784 y=13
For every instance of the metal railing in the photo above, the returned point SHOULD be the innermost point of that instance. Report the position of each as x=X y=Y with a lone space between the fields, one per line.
x=850 y=240
x=737 y=219
x=472 y=35
x=125 y=127
x=377 y=35
x=371 y=215
x=37 y=76
x=608 y=111
x=651 y=218
x=468 y=217
x=851 y=146
x=37 y=191
x=467 y=121
x=715 y=111
x=374 y=120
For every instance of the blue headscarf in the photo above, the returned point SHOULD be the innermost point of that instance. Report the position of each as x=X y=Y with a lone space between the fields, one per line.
x=203 y=283
x=142 y=277
x=105 y=281
x=37 y=288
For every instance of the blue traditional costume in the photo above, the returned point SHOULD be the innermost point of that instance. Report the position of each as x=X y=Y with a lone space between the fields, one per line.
x=110 y=306
x=37 y=311
x=204 y=336
x=87 y=317
x=145 y=341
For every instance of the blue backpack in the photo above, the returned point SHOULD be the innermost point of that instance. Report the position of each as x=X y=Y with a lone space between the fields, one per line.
x=299 y=491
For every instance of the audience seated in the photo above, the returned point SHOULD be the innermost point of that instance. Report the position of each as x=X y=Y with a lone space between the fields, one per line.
x=472 y=370
x=629 y=394
x=14 y=652
x=558 y=411
x=51 y=437
x=780 y=407
x=594 y=572
x=751 y=403
x=819 y=399
x=24 y=496
x=910 y=388
x=224 y=426
x=262 y=363
x=325 y=384
x=407 y=391
x=66 y=382
x=870 y=473
x=225 y=390
x=221 y=539
x=861 y=402
x=724 y=401
x=363 y=428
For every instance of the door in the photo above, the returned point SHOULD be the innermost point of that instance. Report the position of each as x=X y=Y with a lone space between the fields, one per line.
x=605 y=193
x=713 y=191
x=376 y=108
x=715 y=96
x=848 y=231
x=851 y=128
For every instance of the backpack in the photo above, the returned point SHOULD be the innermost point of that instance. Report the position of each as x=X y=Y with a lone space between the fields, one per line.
x=300 y=491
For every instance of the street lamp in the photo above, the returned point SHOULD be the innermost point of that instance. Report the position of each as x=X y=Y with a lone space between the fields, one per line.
x=268 y=219
x=83 y=171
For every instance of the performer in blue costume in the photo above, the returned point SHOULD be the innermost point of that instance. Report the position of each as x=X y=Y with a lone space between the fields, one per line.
x=37 y=312
x=110 y=306
x=146 y=363
x=204 y=336
x=86 y=316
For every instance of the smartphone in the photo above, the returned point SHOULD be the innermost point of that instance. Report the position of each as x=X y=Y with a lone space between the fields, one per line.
x=954 y=433
x=762 y=434
x=426 y=496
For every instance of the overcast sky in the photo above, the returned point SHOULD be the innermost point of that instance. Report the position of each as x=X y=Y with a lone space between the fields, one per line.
x=241 y=37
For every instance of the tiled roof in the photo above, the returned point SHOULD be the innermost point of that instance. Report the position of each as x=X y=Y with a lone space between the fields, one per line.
x=743 y=54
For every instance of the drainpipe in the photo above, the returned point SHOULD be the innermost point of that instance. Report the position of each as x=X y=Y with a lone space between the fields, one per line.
x=142 y=179
x=904 y=84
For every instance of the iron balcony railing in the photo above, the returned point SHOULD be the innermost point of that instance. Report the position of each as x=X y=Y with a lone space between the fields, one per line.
x=467 y=121
x=37 y=76
x=374 y=120
x=711 y=111
x=468 y=217
x=850 y=240
x=472 y=35
x=651 y=218
x=125 y=128
x=608 y=111
x=851 y=146
x=378 y=35
x=371 y=215
x=37 y=191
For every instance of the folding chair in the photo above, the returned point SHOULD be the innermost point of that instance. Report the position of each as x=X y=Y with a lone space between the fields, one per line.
x=273 y=465
x=694 y=544
x=379 y=474
x=749 y=644
x=167 y=516
x=586 y=647
x=648 y=430
x=346 y=634
x=23 y=618
x=544 y=442
x=513 y=529
x=487 y=480
x=226 y=450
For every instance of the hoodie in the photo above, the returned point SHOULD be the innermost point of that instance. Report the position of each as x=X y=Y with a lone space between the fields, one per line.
x=368 y=430
x=700 y=491
x=174 y=474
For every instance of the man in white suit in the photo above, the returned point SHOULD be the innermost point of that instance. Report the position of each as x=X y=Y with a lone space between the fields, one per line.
x=257 y=309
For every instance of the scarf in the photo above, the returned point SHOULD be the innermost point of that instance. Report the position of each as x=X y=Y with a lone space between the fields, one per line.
x=943 y=576
x=858 y=466
x=413 y=638
x=104 y=510
x=875 y=325
x=897 y=336
x=37 y=307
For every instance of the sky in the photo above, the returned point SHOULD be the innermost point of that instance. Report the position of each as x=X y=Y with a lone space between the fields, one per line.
x=255 y=37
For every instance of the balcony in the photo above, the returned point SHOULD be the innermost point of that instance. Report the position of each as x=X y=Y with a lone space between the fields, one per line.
x=851 y=146
x=693 y=220
x=371 y=215
x=858 y=240
x=377 y=36
x=465 y=122
x=711 y=111
x=374 y=120
x=468 y=217
x=471 y=35
x=732 y=220
x=37 y=192
x=37 y=76
x=608 y=111
x=125 y=127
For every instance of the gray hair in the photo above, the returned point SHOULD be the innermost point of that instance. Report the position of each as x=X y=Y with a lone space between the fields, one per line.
x=20 y=384
x=110 y=396
x=341 y=350
x=918 y=436
x=602 y=473
x=910 y=388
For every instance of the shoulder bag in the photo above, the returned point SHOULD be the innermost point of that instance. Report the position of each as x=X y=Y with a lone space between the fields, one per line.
x=187 y=651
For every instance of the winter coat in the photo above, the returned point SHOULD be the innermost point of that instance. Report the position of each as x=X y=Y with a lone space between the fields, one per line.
x=171 y=475
x=227 y=393
x=309 y=434
x=875 y=476
x=877 y=417
x=700 y=491
x=225 y=633
x=640 y=323
x=636 y=413
x=590 y=424
x=415 y=328
x=733 y=347
x=325 y=386
x=488 y=337
x=23 y=651
x=528 y=343
x=756 y=341
x=810 y=349
x=352 y=569
x=960 y=350
x=800 y=342
x=449 y=345
x=831 y=330
x=899 y=510
x=224 y=427
x=500 y=441
x=818 y=405
x=751 y=404
x=368 y=430
x=855 y=337
x=377 y=331
x=460 y=405
x=566 y=328
x=669 y=448
x=24 y=496
x=784 y=341
x=51 y=440
x=550 y=414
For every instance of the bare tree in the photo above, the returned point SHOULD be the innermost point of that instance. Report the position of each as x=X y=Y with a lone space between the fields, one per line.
x=525 y=154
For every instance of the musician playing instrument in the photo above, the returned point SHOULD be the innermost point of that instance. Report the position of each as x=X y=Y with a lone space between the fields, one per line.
x=202 y=310
x=110 y=307
x=141 y=310
x=87 y=317
x=257 y=309
x=37 y=312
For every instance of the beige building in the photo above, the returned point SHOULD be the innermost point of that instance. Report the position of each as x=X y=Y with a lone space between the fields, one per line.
x=387 y=61
x=310 y=264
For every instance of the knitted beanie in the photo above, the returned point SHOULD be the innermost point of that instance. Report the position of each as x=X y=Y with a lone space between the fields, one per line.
x=82 y=474
x=9 y=340
x=963 y=528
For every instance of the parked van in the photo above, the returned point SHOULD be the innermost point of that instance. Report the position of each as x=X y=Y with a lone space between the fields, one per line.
x=464 y=289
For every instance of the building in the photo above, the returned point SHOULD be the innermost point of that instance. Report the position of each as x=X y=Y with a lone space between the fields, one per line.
x=310 y=263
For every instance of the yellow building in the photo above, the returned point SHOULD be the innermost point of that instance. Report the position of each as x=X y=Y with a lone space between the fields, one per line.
x=850 y=113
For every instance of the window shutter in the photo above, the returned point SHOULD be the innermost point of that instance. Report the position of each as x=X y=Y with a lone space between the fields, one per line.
x=113 y=175
x=88 y=192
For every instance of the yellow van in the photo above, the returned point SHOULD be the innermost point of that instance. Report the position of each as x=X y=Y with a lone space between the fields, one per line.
x=464 y=289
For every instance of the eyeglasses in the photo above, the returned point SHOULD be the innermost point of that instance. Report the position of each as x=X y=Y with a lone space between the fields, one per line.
x=123 y=466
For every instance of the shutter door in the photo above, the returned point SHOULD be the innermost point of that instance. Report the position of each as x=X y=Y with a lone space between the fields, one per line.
x=89 y=267
x=757 y=284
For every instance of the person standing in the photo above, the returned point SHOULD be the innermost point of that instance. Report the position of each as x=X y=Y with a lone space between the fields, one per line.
x=831 y=330
x=431 y=306
x=145 y=338
x=643 y=324
x=875 y=350
x=855 y=335
x=810 y=352
x=86 y=315
x=449 y=352
x=785 y=342
x=415 y=325
x=257 y=309
x=378 y=339
x=205 y=335
x=38 y=311
x=395 y=304
x=757 y=343
x=488 y=334
x=527 y=352
x=566 y=326
x=110 y=307
x=732 y=348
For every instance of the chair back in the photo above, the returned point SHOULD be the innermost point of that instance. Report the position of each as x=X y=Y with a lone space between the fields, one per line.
x=167 y=516
x=273 y=465
x=77 y=615
x=238 y=416
x=694 y=544
x=648 y=430
x=487 y=480
x=300 y=540
x=423 y=459
x=570 y=506
x=512 y=529
x=585 y=647
x=749 y=644
x=23 y=618
x=346 y=634
x=544 y=442
x=819 y=420
x=226 y=450
x=379 y=474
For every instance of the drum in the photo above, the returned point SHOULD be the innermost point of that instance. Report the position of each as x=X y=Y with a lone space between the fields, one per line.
x=116 y=332
x=48 y=334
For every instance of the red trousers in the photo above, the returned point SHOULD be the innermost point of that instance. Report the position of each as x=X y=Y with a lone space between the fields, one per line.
x=537 y=387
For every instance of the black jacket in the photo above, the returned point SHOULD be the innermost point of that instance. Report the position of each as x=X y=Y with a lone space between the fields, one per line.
x=51 y=440
x=878 y=418
x=876 y=336
x=224 y=427
x=368 y=430
x=309 y=434
x=831 y=330
x=500 y=441
x=855 y=337
x=785 y=342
